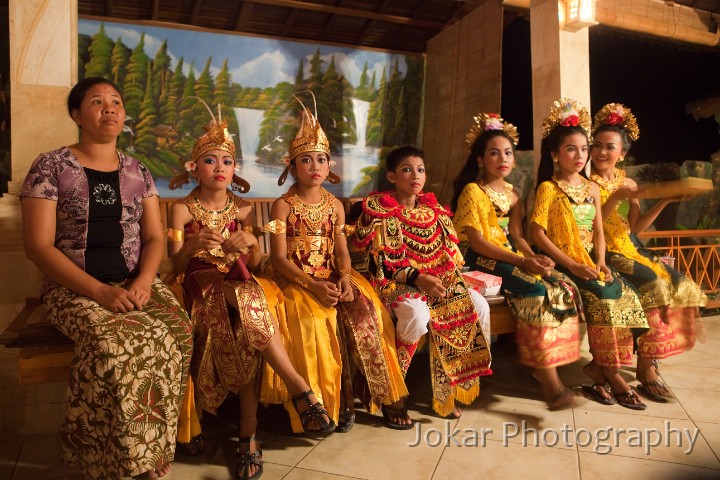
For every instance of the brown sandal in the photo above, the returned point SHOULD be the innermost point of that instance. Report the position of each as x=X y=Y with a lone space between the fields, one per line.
x=248 y=459
x=315 y=411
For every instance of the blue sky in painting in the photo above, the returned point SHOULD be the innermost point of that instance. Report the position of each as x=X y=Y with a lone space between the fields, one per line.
x=252 y=61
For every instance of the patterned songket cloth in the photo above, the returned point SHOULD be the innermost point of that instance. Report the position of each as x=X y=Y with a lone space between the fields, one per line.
x=546 y=309
x=670 y=299
x=612 y=309
x=227 y=343
x=392 y=246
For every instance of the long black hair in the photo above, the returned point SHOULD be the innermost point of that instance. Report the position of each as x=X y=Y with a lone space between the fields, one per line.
x=552 y=143
x=471 y=169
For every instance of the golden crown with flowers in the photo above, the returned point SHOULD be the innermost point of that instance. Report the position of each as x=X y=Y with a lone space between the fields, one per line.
x=566 y=112
x=309 y=138
x=484 y=122
x=618 y=115
x=216 y=137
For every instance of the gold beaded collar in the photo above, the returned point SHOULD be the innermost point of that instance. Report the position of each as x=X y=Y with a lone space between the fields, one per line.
x=610 y=185
x=502 y=200
x=578 y=194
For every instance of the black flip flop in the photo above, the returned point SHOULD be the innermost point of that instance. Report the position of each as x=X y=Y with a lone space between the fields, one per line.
x=647 y=393
x=396 y=412
x=596 y=395
x=623 y=399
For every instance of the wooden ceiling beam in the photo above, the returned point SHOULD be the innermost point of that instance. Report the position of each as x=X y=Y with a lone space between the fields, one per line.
x=329 y=23
x=195 y=12
x=678 y=22
x=243 y=16
x=155 y=9
x=289 y=22
x=349 y=12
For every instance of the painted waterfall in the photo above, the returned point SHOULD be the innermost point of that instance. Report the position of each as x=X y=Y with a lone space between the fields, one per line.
x=366 y=101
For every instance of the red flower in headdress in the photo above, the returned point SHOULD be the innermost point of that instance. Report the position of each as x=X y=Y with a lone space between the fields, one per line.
x=614 y=119
x=570 y=121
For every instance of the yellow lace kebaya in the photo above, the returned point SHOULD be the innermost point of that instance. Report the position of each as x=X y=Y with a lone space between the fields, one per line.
x=477 y=210
x=554 y=212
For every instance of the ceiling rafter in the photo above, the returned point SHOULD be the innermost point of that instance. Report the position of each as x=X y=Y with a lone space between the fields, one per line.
x=195 y=11
x=155 y=9
x=243 y=16
x=352 y=13
x=289 y=22
x=329 y=23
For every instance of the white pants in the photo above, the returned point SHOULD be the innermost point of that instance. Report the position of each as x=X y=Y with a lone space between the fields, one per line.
x=413 y=316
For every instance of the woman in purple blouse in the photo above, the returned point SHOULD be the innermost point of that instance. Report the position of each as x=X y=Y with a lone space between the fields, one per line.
x=91 y=222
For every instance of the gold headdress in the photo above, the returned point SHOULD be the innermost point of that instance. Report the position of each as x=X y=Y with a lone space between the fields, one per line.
x=310 y=138
x=620 y=116
x=216 y=137
x=490 y=121
x=566 y=112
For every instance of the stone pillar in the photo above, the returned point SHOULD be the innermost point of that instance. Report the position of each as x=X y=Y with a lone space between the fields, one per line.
x=560 y=64
x=43 y=68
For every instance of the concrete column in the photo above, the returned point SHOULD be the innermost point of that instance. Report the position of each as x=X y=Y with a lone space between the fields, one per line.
x=560 y=64
x=43 y=68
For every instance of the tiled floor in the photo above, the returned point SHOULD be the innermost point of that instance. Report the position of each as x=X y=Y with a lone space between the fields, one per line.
x=508 y=433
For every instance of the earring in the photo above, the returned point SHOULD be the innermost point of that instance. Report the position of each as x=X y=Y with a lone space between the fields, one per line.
x=620 y=158
x=555 y=160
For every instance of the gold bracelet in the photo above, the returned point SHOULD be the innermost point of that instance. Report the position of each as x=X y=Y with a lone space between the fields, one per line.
x=303 y=280
x=345 y=271
x=176 y=235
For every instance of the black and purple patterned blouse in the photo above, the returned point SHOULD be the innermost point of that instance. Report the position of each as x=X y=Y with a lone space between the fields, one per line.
x=58 y=176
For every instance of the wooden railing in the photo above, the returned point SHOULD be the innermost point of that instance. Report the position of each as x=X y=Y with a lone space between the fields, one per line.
x=696 y=253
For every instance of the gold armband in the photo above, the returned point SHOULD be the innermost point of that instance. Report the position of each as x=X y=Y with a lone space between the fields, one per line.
x=344 y=229
x=176 y=235
x=248 y=229
x=276 y=226
x=346 y=271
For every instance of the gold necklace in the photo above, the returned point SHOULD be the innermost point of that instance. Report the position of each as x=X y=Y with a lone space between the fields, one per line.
x=610 y=185
x=502 y=200
x=314 y=214
x=212 y=219
x=578 y=194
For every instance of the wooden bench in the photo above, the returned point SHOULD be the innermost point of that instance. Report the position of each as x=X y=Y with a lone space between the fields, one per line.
x=45 y=354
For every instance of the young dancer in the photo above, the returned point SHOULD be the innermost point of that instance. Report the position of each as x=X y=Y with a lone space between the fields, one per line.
x=214 y=251
x=670 y=299
x=412 y=258
x=567 y=226
x=335 y=322
x=488 y=218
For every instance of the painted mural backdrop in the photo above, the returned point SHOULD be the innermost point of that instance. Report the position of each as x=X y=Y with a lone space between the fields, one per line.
x=367 y=101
